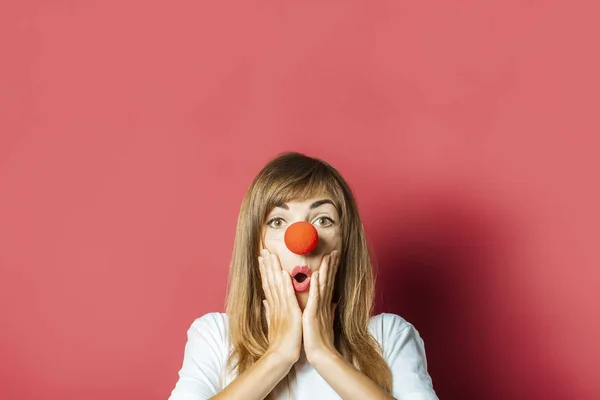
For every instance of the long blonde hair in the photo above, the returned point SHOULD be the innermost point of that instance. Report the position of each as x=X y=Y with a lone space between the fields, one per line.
x=293 y=176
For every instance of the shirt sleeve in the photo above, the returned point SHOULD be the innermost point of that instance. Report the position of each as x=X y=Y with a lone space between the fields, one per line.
x=405 y=355
x=202 y=360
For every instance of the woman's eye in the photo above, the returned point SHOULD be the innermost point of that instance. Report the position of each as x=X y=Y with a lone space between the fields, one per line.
x=275 y=222
x=328 y=221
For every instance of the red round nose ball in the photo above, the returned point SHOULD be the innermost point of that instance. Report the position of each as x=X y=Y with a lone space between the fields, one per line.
x=301 y=237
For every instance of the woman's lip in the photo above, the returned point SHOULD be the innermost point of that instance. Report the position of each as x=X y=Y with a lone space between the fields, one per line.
x=301 y=269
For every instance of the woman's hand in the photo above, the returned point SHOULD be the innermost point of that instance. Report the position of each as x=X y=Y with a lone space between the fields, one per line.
x=284 y=317
x=319 y=314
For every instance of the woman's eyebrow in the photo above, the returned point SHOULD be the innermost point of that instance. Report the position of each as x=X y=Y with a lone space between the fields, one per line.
x=319 y=203
x=314 y=205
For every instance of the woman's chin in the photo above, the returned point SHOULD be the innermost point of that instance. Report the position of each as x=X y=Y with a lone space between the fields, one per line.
x=302 y=298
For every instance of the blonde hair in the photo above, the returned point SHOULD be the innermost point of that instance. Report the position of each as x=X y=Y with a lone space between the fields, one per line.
x=289 y=177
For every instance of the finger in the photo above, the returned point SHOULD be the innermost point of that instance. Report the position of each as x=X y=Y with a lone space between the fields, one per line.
x=332 y=269
x=272 y=282
x=265 y=280
x=276 y=263
x=283 y=281
x=325 y=278
x=287 y=284
x=313 y=294
x=289 y=291
x=336 y=263
x=276 y=280
x=269 y=279
x=267 y=313
x=323 y=273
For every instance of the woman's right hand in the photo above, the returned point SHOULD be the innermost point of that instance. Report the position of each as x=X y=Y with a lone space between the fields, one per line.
x=283 y=314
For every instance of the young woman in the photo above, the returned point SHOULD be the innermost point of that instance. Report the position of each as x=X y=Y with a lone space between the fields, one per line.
x=298 y=321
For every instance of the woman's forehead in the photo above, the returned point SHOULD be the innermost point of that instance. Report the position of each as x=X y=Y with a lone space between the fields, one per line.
x=314 y=203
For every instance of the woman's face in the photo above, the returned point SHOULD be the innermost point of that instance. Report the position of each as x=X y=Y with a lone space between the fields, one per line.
x=322 y=214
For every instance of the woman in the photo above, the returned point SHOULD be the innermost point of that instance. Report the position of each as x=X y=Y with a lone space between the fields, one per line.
x=298 y=323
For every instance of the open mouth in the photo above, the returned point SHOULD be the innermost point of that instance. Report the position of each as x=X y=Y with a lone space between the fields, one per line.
x=301 y=278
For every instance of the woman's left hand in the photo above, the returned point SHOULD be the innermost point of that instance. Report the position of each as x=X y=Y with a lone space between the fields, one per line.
x=319 y=314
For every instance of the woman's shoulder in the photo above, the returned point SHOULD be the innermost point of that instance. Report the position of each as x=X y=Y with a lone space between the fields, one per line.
x=211 y=318
x=214 y=324
x=387 y=325
x=404 y=351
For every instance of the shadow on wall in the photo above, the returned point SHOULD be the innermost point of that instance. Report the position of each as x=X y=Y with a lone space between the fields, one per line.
x=446 y=268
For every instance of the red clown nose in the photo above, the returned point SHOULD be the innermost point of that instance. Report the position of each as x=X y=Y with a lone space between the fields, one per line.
x=301 y=237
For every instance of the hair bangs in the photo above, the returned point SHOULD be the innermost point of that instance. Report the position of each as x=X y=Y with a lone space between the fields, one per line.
x=303 y=185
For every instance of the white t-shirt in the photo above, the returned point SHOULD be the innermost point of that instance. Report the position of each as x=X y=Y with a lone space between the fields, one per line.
x=208 y=346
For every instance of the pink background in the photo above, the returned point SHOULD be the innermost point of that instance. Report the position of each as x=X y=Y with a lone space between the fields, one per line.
x=130 y=131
